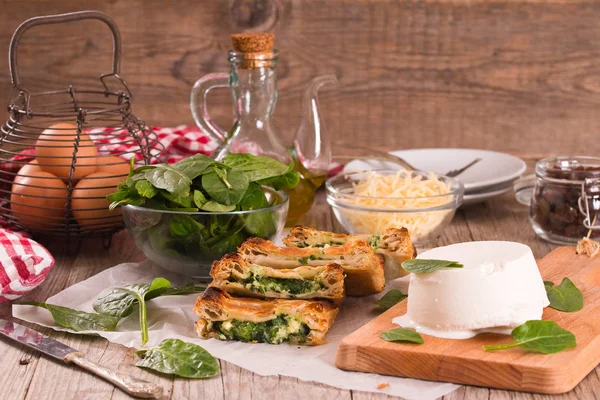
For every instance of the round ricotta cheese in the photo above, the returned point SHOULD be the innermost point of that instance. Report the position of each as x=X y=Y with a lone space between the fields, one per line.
x=499 y=288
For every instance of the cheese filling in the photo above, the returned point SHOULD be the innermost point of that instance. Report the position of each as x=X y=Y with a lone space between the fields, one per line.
x=281 y=329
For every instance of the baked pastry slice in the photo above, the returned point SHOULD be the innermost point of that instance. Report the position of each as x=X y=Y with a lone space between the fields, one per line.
x=394 y=245
x=239 y=277
x=266 y=321
x=362 y=267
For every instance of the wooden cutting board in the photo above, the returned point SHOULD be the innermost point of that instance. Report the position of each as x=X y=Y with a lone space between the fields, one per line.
x=465 y=362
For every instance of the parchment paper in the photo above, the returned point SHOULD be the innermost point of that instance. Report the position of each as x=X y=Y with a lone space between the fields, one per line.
x=172 y=317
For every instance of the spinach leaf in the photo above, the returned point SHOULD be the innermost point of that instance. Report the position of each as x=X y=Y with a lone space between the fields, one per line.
x=125 y=194
x=228 y=191
x=262 y=223
x=119 y=301
x=540 y=336
x=190 y=288
x=289 y=180
x=181 y=225
x=564 y=297
x=213 y=206
x=199 y=198
x=421 y=266
x=169 y=178
x=174 y=356
x=145 y=189
x=78 y=320
x=254 y=198
x=402 y=335
x=255 y=167
x=196 y=165
x=390 y=299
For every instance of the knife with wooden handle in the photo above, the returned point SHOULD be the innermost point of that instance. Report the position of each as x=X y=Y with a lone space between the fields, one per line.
x=52 y=347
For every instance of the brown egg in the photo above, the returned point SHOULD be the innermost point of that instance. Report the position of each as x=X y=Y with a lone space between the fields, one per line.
x=30 y=168
x=115 y=166
x=54 y=152
x=38 y=202
x=89 y=204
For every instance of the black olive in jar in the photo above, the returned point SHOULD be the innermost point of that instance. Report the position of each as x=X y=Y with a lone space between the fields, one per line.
x=554 y=211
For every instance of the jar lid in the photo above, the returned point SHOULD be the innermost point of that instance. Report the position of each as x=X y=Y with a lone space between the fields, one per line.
x=568 y=169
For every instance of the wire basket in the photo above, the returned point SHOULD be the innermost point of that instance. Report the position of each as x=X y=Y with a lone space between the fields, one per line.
x=62 y=152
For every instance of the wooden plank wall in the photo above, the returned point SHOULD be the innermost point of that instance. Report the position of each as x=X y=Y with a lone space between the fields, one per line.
x=513 y=75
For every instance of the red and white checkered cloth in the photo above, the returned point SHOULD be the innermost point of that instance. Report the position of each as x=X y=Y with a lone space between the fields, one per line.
x=24 y=264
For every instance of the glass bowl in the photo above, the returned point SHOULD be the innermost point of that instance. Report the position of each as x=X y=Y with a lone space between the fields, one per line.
x=188 y=242
x=425 y=217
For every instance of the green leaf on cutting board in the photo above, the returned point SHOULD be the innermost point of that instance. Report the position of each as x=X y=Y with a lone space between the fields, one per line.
x=402 y=335
x=539 y=336
x=564 y=297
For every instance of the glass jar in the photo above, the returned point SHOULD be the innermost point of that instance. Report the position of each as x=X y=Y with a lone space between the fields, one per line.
x=564 y=198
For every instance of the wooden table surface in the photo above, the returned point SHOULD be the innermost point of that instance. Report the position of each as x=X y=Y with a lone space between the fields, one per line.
x=27 y=375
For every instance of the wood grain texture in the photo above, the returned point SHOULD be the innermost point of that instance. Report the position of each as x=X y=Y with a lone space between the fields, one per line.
x=464 y=361
x=31 y=376
x=512 y=75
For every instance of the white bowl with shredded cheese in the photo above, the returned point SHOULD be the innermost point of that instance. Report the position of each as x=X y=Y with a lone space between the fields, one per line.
x=371 y=201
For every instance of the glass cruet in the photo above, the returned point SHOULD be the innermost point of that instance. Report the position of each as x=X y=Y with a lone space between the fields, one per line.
x=253 y=81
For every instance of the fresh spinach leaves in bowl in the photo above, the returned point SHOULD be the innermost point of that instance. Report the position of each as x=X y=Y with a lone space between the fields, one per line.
x=185 y=215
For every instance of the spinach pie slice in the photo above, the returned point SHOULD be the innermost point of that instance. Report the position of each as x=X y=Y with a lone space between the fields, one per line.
x=239 y=277
x=394 y=245
x=362 y=267
x=264 y=321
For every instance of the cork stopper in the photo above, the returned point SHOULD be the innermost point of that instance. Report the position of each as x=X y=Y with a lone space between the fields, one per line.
x=253 y=42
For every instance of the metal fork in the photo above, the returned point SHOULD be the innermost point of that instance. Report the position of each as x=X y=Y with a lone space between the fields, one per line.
x=455 y=172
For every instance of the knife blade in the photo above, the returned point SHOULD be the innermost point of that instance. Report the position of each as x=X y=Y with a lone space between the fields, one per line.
x=53 y=348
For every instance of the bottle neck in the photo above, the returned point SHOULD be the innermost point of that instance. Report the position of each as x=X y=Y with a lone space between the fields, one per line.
x=254 y=93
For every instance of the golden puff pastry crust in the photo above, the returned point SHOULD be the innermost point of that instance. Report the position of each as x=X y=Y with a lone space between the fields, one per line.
x=216 y=305
x=239 y=277
x=394 y=245
x=363 y=268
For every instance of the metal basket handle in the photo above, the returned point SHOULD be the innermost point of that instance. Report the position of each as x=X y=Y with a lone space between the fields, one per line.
x=57 y=19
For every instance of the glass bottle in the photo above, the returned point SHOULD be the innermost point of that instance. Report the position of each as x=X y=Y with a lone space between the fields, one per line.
x=253 y=81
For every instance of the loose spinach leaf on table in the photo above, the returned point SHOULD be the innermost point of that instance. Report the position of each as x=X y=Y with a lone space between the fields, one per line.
x=119 y=301
x=174 y=356
x=421 y=266
x=390 y=299
x=190 y=288
x=402 y=335
x=169 y=178
x=564 y=297
x=225 y=187
x=78 y=320
x=540 y=336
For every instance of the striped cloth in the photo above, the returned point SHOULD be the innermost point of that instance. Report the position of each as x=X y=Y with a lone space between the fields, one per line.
x=24 y=264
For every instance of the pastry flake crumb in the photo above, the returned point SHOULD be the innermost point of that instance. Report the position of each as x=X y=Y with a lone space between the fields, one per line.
x=588 y=247
x=382 y=386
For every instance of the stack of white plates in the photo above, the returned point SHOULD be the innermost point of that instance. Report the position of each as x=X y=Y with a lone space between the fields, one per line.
x=490 y=177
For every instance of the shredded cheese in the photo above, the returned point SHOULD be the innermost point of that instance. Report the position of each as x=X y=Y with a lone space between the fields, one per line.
x=400 y=191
